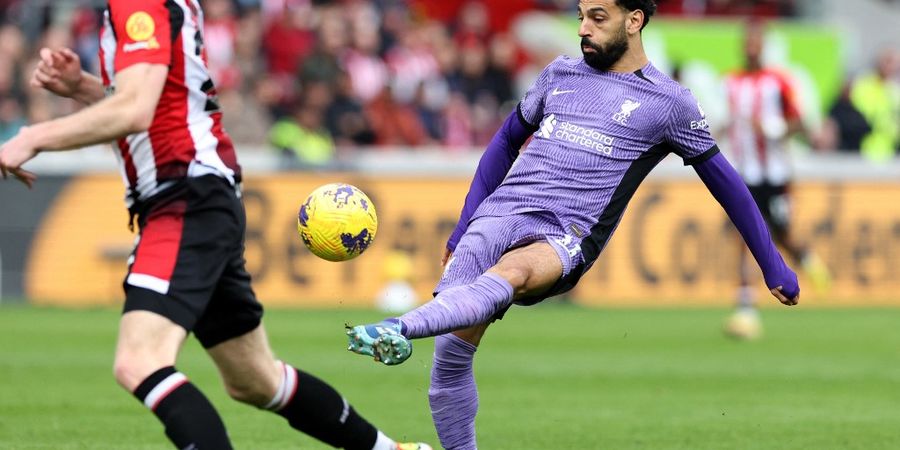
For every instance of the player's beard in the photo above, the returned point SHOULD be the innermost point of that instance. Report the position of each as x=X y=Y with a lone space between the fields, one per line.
x=604 y=57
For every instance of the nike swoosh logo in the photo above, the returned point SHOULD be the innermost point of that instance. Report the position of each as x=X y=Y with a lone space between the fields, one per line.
x=556 y=91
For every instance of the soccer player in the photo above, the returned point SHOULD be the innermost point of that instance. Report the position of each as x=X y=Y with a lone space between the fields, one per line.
x=764 y=113
x=530 y=230
x=155 y=100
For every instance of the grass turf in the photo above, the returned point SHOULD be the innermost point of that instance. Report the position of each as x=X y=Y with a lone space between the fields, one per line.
x=549 y=377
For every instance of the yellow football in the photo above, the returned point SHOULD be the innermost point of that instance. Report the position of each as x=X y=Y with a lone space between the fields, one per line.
x=337 y=222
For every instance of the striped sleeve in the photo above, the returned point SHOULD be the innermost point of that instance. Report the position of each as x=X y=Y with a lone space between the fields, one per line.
x=688 y=130
x=144 y=31
x=531 y=107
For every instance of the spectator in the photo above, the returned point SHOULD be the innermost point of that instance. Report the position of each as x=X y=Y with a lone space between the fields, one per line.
x=303 y=138
x=324 y=63
x=472 y=79
x=395 y=124
x=457 y=123
x=345 y=117
x=11 y=117
x=411 y=63
x=877 y=97
x=849 y=125
x=367 y=69
x=504 y=58
x=220 y=32
x=473 y=23
x=287 y=40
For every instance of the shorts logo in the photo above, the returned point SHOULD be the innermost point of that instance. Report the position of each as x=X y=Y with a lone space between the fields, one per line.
x=140 y=28
x=625 y=112
x=569 y=244
x=447 y=267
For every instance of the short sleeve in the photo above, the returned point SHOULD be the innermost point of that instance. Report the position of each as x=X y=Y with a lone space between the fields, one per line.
x=531 y=107
x=143 y=31
x=789 y=103
x=688 y=130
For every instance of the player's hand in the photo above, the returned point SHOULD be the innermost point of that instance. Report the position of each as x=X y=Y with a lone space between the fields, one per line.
x=445 y=256
x=778 y=292
x=13 y=154
x=787 y=290
x=59 y=71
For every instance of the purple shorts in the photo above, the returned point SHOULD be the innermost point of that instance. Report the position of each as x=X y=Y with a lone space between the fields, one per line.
x=488 y=237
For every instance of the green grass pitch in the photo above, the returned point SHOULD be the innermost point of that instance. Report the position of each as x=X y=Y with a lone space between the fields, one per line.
x=550 y=377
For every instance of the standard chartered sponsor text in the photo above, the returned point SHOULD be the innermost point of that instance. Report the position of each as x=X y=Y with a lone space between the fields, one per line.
x=585 y=137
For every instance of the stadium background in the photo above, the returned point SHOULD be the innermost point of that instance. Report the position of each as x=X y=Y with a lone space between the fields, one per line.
x=400 y=97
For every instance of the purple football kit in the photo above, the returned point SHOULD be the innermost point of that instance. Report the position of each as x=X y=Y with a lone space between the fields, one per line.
x=596 y=135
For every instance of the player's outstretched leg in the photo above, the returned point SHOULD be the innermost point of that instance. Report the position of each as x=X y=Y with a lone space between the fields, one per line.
x=146 y=350
x=452 y=309
x=310 y=405
x=453 y=395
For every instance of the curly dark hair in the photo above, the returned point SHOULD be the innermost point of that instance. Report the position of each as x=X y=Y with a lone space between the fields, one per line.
x=647 y=6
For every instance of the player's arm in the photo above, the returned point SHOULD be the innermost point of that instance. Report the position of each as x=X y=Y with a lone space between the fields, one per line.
x=59 y=71
x=129 y=110
x=730 y=191
x=492 y=168
x=688 y=134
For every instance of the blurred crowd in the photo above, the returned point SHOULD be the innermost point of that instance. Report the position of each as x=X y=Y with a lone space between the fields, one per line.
x=311 y=77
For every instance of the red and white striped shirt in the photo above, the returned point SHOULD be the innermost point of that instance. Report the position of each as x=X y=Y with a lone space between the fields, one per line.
x=764 y=97
x=186 y=138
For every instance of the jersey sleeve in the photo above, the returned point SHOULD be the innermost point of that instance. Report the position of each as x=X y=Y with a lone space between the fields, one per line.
x=789 y=103
x=144 y=31
x=531 y=107
x=688 y=130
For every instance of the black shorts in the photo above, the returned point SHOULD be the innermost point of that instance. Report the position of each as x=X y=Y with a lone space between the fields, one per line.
x=773 y=201
x=188 y=264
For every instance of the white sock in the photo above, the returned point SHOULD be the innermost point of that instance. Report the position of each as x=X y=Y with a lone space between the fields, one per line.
x=746 y=298
x=384 y=443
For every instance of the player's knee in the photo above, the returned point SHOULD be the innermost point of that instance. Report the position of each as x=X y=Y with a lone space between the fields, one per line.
x=516 y=276
x=249 y=392
x=130 y=370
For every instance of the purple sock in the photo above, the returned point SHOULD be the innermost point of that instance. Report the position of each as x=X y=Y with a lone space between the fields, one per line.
x=453 y=396
x=459 y=307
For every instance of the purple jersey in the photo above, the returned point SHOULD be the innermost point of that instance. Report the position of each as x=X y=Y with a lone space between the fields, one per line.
x=598 y=135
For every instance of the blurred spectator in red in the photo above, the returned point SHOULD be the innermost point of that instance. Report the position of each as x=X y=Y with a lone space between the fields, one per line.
x=220 y=34
x=411 y=62
x=362 y=61
x=289 y=37
x=85 y=28
x=472 y=23
x=457 y=123
x=395 y=124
